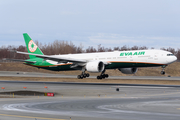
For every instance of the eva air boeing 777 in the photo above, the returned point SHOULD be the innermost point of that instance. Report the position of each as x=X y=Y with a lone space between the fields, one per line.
x=125 y=61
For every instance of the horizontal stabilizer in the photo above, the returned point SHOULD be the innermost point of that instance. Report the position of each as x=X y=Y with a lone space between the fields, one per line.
x=20 y=60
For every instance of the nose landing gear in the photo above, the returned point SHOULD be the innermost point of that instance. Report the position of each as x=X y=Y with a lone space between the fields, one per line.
x=163 y=70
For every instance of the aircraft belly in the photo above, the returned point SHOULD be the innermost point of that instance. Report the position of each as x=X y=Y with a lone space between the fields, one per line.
x=130 y=64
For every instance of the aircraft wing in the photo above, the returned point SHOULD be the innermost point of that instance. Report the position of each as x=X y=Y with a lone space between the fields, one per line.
x=54 y=58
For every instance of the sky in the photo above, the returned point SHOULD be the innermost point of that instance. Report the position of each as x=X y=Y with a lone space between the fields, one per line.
x=111 y=23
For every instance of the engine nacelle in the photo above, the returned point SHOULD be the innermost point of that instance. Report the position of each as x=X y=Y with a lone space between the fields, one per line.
x=95 y=66
x=128 y=70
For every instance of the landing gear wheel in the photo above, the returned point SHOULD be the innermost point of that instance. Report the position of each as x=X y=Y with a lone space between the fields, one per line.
x=84 y=76
x=87 y=74
x=103 y=76
x=99 y=77
x=106 y=75
x=79 y=77
x=162 y=72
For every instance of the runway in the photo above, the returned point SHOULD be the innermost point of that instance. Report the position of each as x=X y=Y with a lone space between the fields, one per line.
x=47 y=75
x=91 y=102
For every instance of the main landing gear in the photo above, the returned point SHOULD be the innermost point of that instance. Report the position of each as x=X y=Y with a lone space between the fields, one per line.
x=103 y=76
x=83 y=75
x=163 y=70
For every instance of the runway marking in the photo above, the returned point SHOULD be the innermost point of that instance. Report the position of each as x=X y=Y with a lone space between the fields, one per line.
x=30 y=117
x=140 y=87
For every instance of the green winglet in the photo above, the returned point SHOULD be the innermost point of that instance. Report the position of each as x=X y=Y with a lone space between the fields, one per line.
x=31 y=46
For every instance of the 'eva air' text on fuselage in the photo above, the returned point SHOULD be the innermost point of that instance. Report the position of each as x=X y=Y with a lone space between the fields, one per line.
x=131 y=53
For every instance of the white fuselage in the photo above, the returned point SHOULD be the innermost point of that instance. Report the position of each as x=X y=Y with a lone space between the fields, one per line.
x=135 y=56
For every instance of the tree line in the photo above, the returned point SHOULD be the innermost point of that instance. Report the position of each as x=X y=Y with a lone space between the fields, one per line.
x=64 y=47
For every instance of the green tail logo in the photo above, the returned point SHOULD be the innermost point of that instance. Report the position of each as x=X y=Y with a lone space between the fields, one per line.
x=31 y=46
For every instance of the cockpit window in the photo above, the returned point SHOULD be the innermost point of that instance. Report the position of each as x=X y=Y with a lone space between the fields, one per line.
x=170 y=55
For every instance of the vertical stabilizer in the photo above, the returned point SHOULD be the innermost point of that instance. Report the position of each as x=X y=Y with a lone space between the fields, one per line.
x=31 y=46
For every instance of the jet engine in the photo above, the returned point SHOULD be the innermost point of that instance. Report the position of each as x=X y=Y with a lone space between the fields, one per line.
x=128 y=70
x=95 y=66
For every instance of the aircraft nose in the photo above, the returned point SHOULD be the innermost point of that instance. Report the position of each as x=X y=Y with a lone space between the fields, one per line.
x=171 y=59
x=174 y=58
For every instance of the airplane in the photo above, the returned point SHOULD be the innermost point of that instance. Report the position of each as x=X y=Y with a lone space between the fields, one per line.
x=127 y=62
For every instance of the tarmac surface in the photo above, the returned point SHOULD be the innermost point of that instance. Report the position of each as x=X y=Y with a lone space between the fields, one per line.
x=90 y=102
x=47 y=75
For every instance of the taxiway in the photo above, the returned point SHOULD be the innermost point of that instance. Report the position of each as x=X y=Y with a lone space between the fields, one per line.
x=91 y=102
